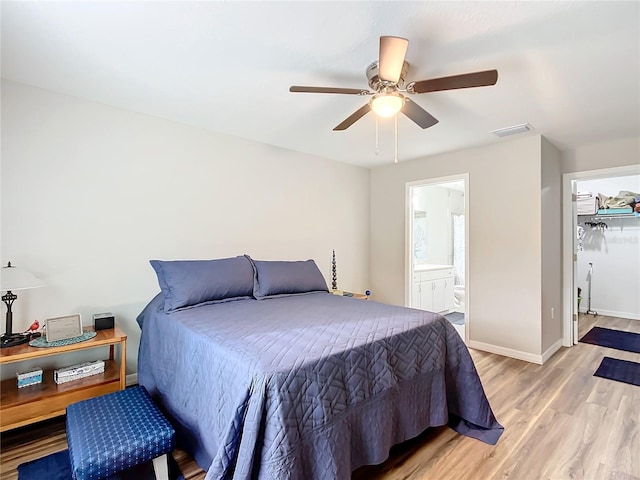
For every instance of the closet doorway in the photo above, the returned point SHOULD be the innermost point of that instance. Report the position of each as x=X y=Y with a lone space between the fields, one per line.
x=436 y=249
x=600 y=250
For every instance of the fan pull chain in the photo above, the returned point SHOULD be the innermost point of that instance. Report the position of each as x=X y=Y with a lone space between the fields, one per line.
x=377 y=149
x=395 y=147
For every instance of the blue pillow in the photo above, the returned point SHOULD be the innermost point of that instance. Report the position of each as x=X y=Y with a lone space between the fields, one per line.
x=186 y=283
x=286 y=278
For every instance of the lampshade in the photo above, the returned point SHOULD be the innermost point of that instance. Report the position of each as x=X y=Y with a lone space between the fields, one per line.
x=16 y=278
x=387 y=104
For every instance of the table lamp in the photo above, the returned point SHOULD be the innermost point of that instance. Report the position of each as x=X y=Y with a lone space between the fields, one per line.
x=13 y=279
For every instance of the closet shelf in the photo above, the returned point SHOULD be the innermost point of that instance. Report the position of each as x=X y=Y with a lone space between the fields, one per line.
x=600 y=216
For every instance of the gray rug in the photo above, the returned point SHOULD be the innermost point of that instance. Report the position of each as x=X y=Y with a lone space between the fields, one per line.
x=456 y=318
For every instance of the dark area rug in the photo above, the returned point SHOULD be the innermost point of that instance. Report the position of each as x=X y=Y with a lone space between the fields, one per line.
x=456 y=318
x=607 y=337
x=57 y=467
x=619 y=370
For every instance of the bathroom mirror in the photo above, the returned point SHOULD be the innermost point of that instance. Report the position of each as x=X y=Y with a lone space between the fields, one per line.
x=419 y=236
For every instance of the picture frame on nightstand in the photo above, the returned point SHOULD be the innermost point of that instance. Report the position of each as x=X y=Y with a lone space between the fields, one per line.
x=62 y=328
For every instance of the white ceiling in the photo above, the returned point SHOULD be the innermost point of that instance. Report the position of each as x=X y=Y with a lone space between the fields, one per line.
x=570 y=69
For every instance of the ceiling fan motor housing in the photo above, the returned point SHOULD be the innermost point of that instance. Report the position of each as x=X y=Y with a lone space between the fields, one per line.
x=379 y=85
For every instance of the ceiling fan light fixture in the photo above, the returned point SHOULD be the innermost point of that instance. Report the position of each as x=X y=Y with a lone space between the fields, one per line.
x=390 y=92
x=387 y=104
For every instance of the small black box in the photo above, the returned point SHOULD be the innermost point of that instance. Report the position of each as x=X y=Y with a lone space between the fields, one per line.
x=102 y=321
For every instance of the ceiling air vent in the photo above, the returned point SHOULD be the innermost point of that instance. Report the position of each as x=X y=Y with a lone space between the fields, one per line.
x=514 y=130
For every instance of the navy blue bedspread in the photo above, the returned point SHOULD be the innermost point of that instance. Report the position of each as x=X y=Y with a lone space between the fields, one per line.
x=308 y=386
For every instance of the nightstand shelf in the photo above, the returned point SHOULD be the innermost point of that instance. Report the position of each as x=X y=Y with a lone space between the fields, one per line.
x=23 y=406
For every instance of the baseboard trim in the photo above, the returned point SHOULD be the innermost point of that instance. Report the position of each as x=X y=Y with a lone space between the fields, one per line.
x=612 y=313
x=551 y=350
x=506 y=352
x=132 y=379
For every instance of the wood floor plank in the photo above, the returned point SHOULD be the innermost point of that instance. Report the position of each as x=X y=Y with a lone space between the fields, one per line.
x=583 y=445
x=576 y=391
x=535 y=447
x=483 y=461
x=29 y=443
x=407 y=458
x=537 y=396
x=623 y=448
x=603 y=394
x=608 y=473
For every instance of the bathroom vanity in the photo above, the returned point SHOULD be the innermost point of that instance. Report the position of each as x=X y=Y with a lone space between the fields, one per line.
x=432 y=288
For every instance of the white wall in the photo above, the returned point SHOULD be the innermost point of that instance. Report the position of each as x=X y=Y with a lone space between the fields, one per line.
x=610 y=186
x=551 y=217
x=615 y=254
x=90 y=193
x=504 y=277
x=615 y=153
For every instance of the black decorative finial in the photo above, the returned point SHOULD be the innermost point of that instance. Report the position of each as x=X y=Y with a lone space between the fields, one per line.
x=334 y=275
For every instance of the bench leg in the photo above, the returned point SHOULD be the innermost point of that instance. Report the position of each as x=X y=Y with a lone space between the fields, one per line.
x=161 y=467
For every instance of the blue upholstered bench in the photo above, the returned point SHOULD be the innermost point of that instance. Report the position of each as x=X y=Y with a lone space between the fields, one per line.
x=117 y=431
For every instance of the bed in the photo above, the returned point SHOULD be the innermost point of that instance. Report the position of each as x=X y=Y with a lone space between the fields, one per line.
x=289 y=384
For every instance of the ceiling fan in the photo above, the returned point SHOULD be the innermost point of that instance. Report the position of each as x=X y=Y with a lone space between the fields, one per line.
x=387 y=80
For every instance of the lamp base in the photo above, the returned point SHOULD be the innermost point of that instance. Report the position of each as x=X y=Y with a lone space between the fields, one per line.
x=14 y=339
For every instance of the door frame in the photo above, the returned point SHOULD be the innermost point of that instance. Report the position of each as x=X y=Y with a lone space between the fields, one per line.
x=408 y=242
x=569 y=229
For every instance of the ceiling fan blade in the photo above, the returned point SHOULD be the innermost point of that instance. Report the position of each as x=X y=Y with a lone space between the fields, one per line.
x=391 y=58
x=418 y=114
x=354 y=117
x=466 y=80
x=346 y=91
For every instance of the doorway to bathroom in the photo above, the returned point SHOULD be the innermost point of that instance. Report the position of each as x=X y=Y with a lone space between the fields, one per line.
x=436 y=247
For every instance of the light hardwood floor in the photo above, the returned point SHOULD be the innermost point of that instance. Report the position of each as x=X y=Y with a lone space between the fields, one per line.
x=560 y=423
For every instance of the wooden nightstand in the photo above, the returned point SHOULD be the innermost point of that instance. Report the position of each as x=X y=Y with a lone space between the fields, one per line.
x=23 y=406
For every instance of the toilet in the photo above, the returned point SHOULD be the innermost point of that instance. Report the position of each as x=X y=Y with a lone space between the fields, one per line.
x=458 y=298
